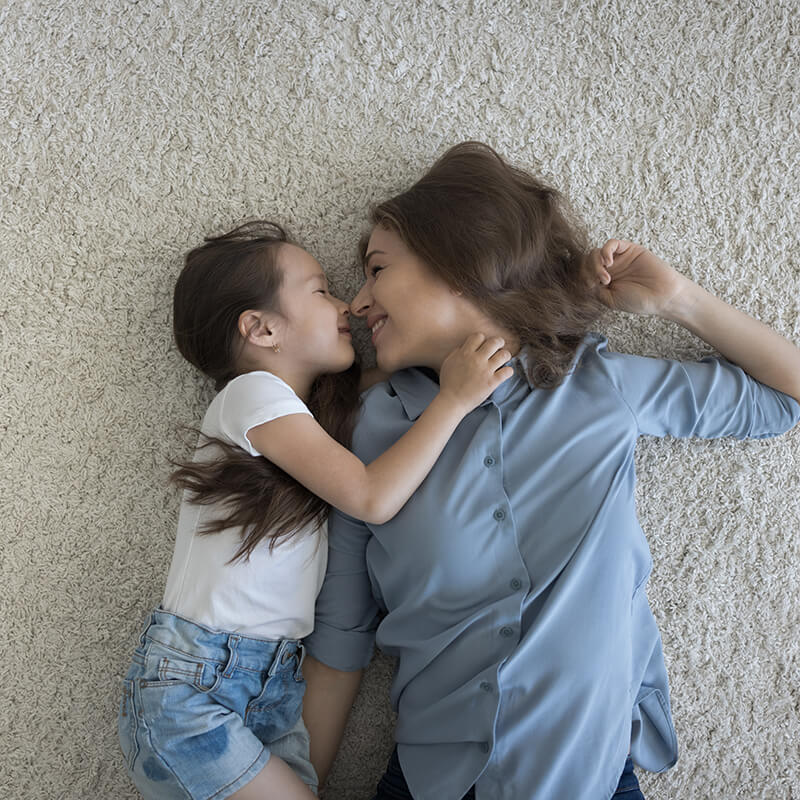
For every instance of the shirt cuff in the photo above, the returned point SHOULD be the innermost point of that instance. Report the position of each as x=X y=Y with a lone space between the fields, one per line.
x=347 y=651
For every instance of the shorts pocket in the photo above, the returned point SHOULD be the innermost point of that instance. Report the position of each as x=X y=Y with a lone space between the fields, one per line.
x=170 y=670
x=127 y=725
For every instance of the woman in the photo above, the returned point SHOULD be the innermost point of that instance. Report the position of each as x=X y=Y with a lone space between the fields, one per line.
x=529 y=662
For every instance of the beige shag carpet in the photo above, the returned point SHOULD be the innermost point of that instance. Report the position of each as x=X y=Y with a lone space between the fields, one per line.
x=130 y=129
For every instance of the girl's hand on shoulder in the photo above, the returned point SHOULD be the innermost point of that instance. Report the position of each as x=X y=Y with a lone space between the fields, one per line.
x=471 y=372
x=631 y=278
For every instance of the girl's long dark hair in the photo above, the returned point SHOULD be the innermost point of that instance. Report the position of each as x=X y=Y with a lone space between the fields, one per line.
x=508 y=242
x=222 y=278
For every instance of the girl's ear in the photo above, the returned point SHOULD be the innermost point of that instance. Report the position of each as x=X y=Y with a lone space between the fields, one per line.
x=259 y=328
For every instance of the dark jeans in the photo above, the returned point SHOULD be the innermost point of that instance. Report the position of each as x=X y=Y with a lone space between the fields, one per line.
x=393 y=786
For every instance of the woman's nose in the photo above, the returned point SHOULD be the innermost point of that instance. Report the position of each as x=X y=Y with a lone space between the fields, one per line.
x=361 y=303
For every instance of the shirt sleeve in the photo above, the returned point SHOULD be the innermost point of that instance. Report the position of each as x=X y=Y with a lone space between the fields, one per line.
x=709 y=398
x=253 y=399
x=347 y=613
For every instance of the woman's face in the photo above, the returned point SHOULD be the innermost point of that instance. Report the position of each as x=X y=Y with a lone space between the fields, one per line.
x=415 y=317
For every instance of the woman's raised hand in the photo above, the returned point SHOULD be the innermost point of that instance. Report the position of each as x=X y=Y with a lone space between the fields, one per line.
x=630 y=278
x=471 y=372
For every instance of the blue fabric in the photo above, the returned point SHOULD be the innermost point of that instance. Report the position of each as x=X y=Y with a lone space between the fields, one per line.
x=203 y=710
x=393 y=786
x=512 y=585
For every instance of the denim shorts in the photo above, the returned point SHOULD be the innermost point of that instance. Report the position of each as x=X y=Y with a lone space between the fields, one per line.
x=203 y=710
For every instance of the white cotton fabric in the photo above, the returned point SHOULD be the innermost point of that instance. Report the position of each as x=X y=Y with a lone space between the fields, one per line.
x=270 y=595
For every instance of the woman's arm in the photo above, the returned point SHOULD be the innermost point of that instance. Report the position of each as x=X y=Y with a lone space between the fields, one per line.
x=633 y=279
x=375 y=493
x=760 y=351
x=330 y=694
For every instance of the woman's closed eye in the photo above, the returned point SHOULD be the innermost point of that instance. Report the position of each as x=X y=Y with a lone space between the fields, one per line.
x=374 y=269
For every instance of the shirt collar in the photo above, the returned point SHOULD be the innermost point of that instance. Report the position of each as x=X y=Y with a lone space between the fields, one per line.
x=417 y=386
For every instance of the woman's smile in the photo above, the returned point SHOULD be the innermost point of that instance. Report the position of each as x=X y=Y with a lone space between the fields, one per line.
x=376 y=327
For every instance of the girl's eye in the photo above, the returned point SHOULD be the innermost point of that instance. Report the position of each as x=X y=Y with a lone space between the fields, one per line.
x=374 y=270
x=324 y=291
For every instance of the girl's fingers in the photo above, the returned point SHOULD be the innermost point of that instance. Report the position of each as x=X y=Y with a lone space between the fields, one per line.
x=491 y=346
x=499 y=357
x=503 y=374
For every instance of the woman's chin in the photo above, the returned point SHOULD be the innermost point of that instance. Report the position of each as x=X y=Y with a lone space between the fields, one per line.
x=385 y=362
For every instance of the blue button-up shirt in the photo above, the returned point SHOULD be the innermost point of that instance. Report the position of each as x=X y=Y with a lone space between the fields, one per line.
x=511 y=586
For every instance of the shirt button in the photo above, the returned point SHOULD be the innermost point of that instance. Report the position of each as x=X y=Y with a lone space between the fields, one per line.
x=488 y=461
x=484 y=747
x=499 y=515
x=486 y=686
x=516 y=584
x=506 y=631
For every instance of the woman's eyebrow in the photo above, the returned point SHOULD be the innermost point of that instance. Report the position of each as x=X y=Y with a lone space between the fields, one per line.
x=369 y=255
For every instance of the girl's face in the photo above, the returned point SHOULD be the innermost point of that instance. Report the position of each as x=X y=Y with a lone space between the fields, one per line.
x=415 y=317
x=316 y=336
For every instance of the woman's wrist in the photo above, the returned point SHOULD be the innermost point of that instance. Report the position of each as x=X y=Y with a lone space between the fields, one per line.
x=686 y=304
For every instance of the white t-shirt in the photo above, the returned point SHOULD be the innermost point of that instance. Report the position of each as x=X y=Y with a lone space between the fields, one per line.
x=272 y=595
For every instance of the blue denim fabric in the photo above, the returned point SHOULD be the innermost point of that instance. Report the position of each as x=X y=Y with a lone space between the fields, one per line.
x=393 y=786
x=628 y=788
x=202 y=710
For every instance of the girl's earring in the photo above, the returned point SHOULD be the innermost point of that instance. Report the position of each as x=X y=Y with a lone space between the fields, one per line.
x=276 y=348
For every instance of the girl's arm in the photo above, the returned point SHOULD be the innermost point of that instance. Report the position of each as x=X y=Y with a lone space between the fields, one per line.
x=632 y=279
x=375 y=493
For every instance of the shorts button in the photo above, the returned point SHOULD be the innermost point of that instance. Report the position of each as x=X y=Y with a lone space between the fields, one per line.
x=488 y=461
x=499 y=515
x=516 y=584
x=486 y=686
x=506 y=631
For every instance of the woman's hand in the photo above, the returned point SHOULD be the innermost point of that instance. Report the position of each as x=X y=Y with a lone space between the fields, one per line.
x=631 y=278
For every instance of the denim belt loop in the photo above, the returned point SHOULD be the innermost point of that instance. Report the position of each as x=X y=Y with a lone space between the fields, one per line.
x=149 y=620
x=282 y=655
x=301 y=657
x=233 y=644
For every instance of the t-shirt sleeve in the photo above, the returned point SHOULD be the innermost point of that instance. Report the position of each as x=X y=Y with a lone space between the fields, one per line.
x=253 y=399
x=709 y=398
x=347 y=614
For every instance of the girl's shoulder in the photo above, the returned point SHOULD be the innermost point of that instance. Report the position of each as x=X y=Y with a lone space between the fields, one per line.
x=256 y=378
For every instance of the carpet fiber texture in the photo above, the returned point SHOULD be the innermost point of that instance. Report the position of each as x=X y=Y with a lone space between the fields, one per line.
x=132 y=129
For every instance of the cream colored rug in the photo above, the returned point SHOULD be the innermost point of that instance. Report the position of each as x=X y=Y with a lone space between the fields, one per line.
x=130 y=129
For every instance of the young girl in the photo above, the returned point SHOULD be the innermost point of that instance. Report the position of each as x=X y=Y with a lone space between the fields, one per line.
x=211 y=703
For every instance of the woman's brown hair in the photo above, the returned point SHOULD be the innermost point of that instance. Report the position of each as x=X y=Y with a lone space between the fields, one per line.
x=509 y=243
x=222 y=278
